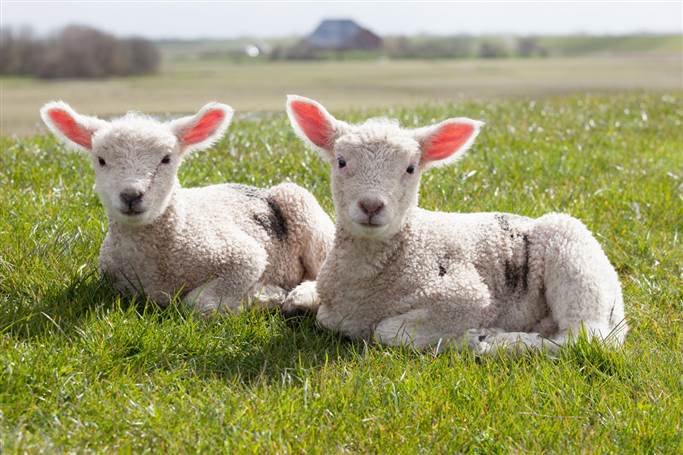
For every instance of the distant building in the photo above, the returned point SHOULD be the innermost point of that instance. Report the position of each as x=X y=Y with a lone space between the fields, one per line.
x=341 y=35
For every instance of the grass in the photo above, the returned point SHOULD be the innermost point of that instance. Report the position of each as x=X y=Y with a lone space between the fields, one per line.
x=575 y=45
x=183 y=86
x=81 y=369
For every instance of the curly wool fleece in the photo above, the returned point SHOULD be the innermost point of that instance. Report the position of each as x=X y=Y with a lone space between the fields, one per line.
x=407 y=276
x=217 y=245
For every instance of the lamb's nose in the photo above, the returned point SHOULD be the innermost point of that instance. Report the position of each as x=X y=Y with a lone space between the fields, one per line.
x=130 y=197
x=371 y=207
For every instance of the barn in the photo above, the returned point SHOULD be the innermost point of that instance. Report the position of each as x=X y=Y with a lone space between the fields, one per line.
x=341 y=35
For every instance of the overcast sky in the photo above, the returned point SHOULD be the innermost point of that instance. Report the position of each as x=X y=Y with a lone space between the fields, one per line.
x=271 y=19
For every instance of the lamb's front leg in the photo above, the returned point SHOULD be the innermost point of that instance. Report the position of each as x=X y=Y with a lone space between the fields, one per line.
x=441 y=316
x=415 y=329
x=302 y=299
x=244 y=262
x=487 y=341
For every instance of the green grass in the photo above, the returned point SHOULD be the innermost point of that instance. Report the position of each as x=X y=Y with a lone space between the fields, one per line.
x=81 y=369
x=575 y=45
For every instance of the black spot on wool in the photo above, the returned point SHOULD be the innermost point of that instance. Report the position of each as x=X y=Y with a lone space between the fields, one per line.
x=518 y=275
x=274 y=222
x=503 y=222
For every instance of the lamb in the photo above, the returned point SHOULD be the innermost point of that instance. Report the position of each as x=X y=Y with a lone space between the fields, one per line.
x=402 y=275
x=217 y=246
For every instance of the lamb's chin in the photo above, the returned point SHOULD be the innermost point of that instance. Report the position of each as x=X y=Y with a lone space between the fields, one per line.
x=133 y=219
x=367 y=231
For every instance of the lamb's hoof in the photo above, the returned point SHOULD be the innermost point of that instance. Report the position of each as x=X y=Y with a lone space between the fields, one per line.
x=270 y=296
x=206 y=303
x=488 y=341
x=205 y=306
x=199 y=302
x=479 y=341
x=303 y=299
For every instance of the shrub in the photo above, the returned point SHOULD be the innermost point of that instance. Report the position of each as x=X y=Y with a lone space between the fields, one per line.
x=75 y=51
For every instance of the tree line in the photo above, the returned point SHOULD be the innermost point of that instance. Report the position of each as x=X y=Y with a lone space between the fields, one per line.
x=75 y=52
x=423 y=47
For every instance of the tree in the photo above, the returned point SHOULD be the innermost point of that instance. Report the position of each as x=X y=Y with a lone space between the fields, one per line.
x=75 y=51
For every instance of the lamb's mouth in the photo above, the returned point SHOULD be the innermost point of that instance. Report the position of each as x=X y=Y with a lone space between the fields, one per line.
x=132 y=212
x=371 y=224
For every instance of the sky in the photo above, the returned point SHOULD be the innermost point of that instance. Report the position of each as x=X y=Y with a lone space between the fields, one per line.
x=189 y=20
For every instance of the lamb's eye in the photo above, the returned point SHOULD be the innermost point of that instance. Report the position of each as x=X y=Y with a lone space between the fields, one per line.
x=166 y=159
x=101 y=161
x=342 y=162
x=410 y=169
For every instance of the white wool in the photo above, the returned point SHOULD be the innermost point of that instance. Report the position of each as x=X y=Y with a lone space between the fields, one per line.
x=403 y=275
x=219 y=245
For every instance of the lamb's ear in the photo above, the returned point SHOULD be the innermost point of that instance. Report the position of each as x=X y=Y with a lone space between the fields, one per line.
x=314 y=124
x=203 y=129
x=70 y=127
x=447 y=141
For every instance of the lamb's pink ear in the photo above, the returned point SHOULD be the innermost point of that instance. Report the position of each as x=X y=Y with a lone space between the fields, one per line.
x=447 y=141
x=203 y=129
x=70 y=127
x=313 y=123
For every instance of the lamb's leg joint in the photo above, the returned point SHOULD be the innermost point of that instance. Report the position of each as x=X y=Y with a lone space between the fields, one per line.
x=302 y=299
x=269 y=296
x=207 y=301
x=412 y=329
x=487 y=341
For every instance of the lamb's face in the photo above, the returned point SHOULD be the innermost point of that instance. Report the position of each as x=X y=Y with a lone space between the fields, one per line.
x=376 y=166
x=375 y=179
x=136 y=158
x=135 y=163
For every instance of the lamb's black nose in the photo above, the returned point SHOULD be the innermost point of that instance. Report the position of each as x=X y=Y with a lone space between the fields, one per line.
x=371 y=206
x=131 y=197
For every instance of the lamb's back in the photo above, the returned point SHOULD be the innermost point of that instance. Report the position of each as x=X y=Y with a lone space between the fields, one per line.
x=503 y=249
x=259 y=214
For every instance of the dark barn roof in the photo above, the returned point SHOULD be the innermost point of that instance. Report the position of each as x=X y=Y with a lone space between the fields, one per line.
x=342 y=34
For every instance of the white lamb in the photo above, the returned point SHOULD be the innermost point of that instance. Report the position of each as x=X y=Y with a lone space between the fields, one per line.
x=219 y=245
x=404 y=275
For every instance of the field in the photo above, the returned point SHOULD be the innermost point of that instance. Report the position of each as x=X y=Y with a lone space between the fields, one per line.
x=183 y=86
x=433 y=46
x=81 y=369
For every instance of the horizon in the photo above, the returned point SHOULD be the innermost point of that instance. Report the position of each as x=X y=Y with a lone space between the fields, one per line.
x=227 y=21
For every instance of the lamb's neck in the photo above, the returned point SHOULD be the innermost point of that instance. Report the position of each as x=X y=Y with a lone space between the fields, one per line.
x=373 y=254
x=163 y=227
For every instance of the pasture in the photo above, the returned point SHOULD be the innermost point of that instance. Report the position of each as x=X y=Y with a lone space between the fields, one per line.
x=82 y=369
x=254 y=88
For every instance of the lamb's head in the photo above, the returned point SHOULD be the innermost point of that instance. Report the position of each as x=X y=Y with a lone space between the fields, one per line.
x=136 y=158
x=376 y=165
